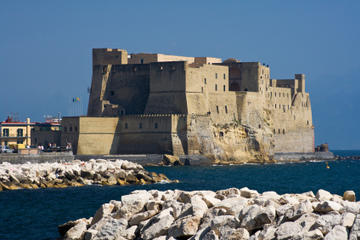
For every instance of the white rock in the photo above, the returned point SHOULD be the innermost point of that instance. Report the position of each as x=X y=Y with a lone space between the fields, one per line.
x=326 y=222
x=328 y=206
x=298 y=210
x=337 y=233
x=347 y=219
x=312 y=235
x=247 y=193
x=355 y=230
x=111 y=229
x=184 y=227
x=227 y=193
x=254 y=217
x=323 y=195
x=158 y=225
x=90 y=234
x=353 y=207
x=76 y=232
x=232 y=206
x=210 y=200
x=103 y=211
x=139 y=217
x=133 y=203
x=199 y=207
x=130 y=232
x=211 y=235
x=287 y=230
x=307 y=220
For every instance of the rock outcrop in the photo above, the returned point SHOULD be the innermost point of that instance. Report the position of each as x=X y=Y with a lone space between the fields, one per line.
x=76 y=173
x=226 y=214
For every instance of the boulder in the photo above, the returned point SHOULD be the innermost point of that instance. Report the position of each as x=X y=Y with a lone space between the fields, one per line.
x=158 y=225
x=312 y=235
x=184 y=227
x=355 y=230
x=328 y=206
x=139 y=217
x=104 y=210
x=133 y=203
x=247 y=193
x=349 y=196
x=288 y=230
x=255 y=217
x=198 y=206
x=232 y=206
x=323 y=195
x=347 y=219
x=296 y=211
x=111 y=229
x=171 y=160
x=337 y=233
x=76 y=232
x=326 y=222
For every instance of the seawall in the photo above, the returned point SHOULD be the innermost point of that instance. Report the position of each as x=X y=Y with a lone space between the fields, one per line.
x=300 y=157
x=36 y=158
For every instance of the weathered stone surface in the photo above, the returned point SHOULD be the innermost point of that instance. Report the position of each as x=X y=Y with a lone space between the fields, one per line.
x=112 y=229
x=337 y=233
x=247 y=193
x=288 y=230
x=199 y=207
x=254 y=217
x=347 y=219
x=327 y=206
x=158 y=225
x=184 y=227
x=349 y=196
x=77 y=231
x=137 y=218
x=232 y=206
x=103 y=211
x=355 y=230
x=323 y=195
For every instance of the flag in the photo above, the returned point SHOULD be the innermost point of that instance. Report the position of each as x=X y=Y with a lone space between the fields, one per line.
x=77 y=99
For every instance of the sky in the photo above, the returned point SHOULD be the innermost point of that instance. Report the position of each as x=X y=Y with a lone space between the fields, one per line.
x=46 y=46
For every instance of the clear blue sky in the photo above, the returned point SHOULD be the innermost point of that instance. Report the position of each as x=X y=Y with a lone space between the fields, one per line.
x=45 y=49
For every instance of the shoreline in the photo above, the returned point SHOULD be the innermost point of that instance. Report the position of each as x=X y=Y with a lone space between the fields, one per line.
x=225 y=214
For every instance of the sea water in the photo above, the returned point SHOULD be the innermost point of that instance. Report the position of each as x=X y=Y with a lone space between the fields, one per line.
x=35 y=214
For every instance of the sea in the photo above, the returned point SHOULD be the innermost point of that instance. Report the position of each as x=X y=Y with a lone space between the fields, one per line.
x=35 y=214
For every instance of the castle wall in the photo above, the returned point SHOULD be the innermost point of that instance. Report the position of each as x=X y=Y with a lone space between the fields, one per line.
x=167 y=88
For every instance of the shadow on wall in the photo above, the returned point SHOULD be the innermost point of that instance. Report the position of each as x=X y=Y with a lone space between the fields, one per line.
x=114 y=148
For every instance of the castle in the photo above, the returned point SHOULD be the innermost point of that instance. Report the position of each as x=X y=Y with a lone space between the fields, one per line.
x=155 y=103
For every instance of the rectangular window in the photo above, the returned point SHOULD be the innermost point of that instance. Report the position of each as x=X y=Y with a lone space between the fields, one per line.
x=224 y=76
x=215 y=87
x=126 y=126
x=224 y=88
x=204 y=80
x=20 y=132
x=156 y=125
x=226 y=110
x=5 y=132
x=140 y=125
x=216 y=75
x=217 y=109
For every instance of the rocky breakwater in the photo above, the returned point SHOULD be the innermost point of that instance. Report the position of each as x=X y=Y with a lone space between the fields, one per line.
x=74 y=173
x=225 y=214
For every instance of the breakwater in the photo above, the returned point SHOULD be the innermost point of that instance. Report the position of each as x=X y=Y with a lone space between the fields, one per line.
x=225 y=214
x=75 y=173
x=42 y=157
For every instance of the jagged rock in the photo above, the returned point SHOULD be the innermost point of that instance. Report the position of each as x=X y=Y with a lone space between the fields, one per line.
x=298 y=210
x=158 y=225
x=323 y=195
x=90 y=234
x=184 y=227
x=130 y=233
x=347 y=219
x=232 y=206
x=254 y=217
x=63 y=228
x=133 y=203
x=352 y=207
x=288 y=230
x=104 y=210
x=77 y=231
x=228 y=193
x=337 y=233
x=355 y=230
x=171 y=160
x=199 y=207
x=137 y=218
x=111 y=230
x=211 y=235
x=326 y=222
x=349 y=196
x=312 y=235
x=307 y=220
x=327 y=206
x=247 y=193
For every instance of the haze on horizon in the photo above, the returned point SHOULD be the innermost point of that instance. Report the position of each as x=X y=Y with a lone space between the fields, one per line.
x=46 y=49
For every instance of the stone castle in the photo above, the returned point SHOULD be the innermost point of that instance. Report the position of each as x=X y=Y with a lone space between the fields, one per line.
x=155 y=104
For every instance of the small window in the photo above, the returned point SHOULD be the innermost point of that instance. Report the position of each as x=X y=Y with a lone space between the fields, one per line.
x=274 y=131
x=140 y=125
x=142 y=61
x=224 y=76
x=126 y=126
x=259 y=126
x=224 y=88
x=76 y=129
x=279 y=131
x=156 y=125
x=221 y=134
x=270 y=94
x=70 y=129
x=217 y=109
x=275 y=105
x=204 y=80
x=216 y=75
x=283 y=94
x=283 y=131
x=215 y=87
x=226 y=109
x=20 y=132
x=202 y=89
x=112 y=93
x=307 y=122
x=275 y=94
x=65 y=129
x=5 y=132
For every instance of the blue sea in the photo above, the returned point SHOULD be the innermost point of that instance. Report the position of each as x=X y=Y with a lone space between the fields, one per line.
x=35 y=214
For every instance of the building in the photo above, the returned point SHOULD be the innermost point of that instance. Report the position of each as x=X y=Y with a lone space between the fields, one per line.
x=14 y=132
x=46 y=133
x=156 y=103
